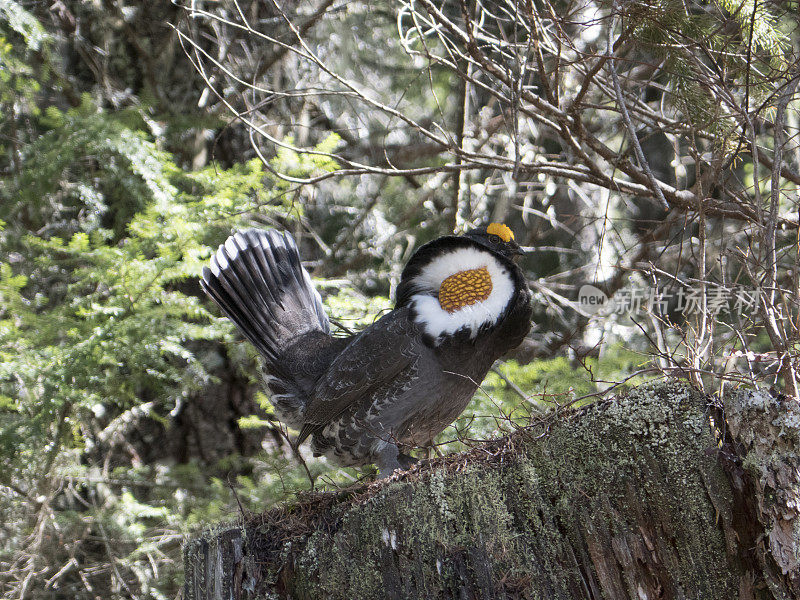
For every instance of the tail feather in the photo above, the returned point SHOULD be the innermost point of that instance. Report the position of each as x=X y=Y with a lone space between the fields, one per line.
x=258 y=281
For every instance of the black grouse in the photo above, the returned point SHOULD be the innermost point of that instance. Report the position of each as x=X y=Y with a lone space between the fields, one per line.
x=462 y=303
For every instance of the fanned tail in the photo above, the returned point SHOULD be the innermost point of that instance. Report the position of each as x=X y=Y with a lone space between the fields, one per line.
x=257 y=280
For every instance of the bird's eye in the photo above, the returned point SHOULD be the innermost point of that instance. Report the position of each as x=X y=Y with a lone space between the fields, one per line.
x=495 y=239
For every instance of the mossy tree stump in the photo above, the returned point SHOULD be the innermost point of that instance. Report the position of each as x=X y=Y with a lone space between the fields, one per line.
x=655 y=495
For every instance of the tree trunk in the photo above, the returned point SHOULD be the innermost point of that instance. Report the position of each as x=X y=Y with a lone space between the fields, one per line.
x=649 y=496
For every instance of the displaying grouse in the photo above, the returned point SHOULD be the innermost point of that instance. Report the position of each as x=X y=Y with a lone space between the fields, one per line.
x=462 y=302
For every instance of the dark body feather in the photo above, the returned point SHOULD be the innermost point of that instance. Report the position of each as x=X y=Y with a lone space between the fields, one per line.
x=369 y=397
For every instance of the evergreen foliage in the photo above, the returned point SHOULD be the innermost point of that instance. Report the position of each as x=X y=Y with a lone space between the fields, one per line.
x=114 y=367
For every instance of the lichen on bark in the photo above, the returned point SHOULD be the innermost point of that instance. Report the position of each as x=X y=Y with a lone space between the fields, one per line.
x=626 y=498
x=766 y=432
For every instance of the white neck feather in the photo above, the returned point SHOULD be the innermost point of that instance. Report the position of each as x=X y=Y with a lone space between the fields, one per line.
x=436 y=320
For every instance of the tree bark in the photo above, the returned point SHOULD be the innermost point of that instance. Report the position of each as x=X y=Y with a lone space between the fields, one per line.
x=659 y=494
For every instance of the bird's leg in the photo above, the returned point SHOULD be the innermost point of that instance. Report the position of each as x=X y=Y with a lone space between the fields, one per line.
x=387 y=461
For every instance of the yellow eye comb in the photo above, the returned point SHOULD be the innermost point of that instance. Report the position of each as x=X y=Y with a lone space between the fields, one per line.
x=500 y=230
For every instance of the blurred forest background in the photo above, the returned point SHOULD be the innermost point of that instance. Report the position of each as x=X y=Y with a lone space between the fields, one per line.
x=632 y=145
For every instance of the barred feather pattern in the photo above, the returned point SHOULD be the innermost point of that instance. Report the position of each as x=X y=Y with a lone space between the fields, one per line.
x=257 y=280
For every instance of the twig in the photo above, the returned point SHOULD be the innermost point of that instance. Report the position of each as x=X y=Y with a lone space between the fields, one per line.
x=627 y=120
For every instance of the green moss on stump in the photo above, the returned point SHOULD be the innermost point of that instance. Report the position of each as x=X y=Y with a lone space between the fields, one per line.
x=621 y=499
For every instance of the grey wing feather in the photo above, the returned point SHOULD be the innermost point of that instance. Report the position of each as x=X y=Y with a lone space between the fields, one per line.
x=374 y=359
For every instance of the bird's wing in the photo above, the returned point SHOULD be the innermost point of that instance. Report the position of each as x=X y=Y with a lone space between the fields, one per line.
x=371 y=361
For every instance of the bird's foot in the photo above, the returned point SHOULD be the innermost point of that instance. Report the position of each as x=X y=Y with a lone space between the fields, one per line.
x=391 y=459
